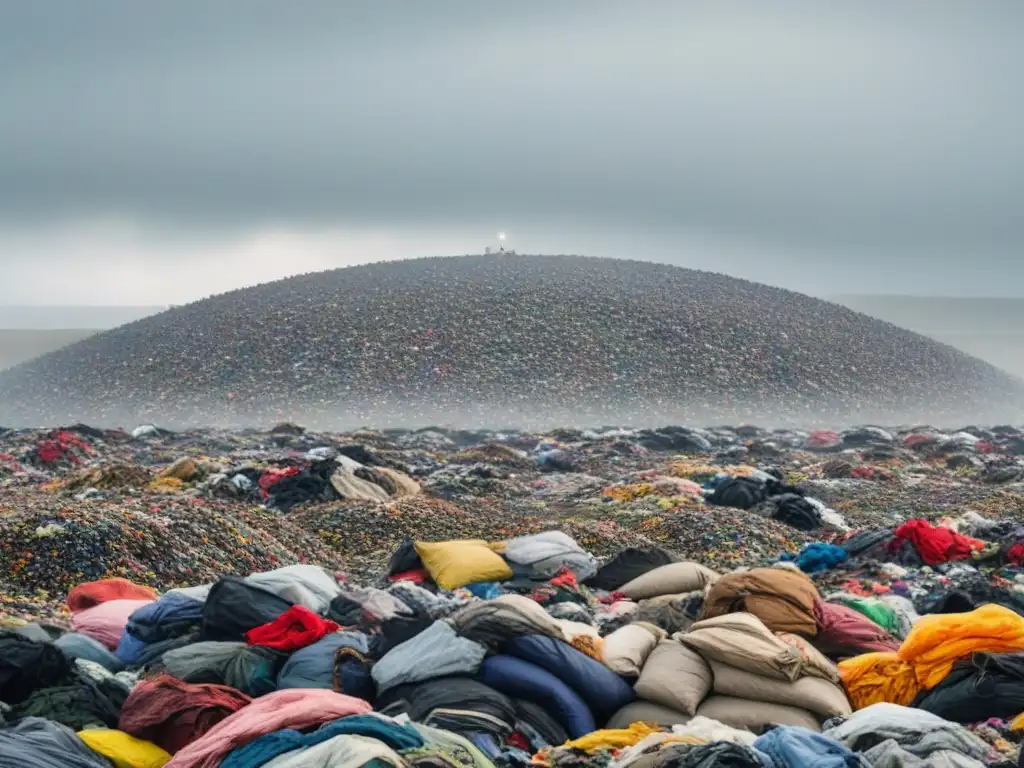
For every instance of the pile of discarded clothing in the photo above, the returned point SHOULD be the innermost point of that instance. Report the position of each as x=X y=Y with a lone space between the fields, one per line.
x=517 y=652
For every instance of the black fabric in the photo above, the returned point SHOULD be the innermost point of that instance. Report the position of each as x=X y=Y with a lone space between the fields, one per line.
x=26 y=665
x=396 y=631
x=628 y=565
x=405 y=558
x=309 y=486
x=796 y=511
x=152 y=652
x=540 y=720
x=233 y=607
x=347 y=612
x=864 y=541
x=361 y=454
x=717 y=754
x=986 y=685
x=738 y=493
x=419 y=700
x=82 y=703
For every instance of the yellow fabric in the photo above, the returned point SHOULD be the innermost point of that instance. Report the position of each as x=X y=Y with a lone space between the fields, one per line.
x=616 y=738
x=938 y=640
x=875 y=677
x=454 y=564
x=1017 y=724
x=592 y=646
x=124 y=750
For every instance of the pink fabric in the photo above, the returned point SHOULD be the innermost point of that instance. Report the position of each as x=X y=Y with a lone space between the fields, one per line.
x=106 y=622
x=291 y=708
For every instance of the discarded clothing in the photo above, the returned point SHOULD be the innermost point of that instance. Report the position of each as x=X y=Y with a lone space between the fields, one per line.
x=628 y=565
x=123 y=749
x=937 y=641
x=625 y=651
x=672 y=579
x=738 y=493
x=38 y=743
x=918 y=732
x=435 y=652
x=313 y=666
x=81 y=703
x=421 y=701
x=295 y=628
x=106 y=622
x=782 y=599
x=235 y=605
x=172 y=714
x=296 y=708
x=170 y=616
x=873 y=678
x=454 y=564
x=936 y=544
x=521 y=679
x=543 y=555
x=495 y=622
x=797 y=747
x=76 y=646
x=985 y=686
x=817 y=557
x=27 y=665
x=843 y=632
x=264 y=749
x=92 y=593
x=603 y=691
x=742 y=641
x=252 y=670
x=299 y=584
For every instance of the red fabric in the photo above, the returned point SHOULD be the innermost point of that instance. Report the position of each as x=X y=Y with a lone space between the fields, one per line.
x=172 y=714
x=917 y=439
x=274 y=476
x=823 y=438
x=872 y=473
x=937 y=545
x=984 y=446
x=60 y=445
x=843 y=632
x=92 y=593
x=1016 y=553
x=295 y=628
x=418 y=576
x=519 y=741
x=565 y=578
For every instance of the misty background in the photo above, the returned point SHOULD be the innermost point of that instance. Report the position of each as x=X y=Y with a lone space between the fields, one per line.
x=156 y=154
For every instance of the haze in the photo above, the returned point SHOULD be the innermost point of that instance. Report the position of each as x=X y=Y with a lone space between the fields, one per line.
x=155 y=154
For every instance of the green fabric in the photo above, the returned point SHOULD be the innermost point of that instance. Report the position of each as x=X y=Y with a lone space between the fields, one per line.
x=880 y=613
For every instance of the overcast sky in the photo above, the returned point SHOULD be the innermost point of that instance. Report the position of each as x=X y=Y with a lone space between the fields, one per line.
x=158 y=152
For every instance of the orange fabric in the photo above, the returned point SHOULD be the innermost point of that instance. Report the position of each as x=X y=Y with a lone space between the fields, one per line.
x=938 y=640
x=876 y=677
x=92 y=593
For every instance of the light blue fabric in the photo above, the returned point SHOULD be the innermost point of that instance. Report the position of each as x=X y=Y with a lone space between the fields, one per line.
x=313 y=666
x=436 y=652
x=801 y=748
x=170 y=616
x=130 y=648
x=83 y=647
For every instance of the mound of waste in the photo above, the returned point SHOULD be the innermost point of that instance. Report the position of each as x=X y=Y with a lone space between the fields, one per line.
x=506 y=339
x=533 y=651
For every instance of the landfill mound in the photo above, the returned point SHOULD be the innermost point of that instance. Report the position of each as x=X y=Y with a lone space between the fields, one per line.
x=613 y=598
x=507 y=340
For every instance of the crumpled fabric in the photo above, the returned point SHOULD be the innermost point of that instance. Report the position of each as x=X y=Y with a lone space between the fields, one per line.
x=82 y=703
x=818 y=556
x=170 y=616
x=435 y=652
x=250 y=669
x=889 y=754
x=171 y=713
x=938 y=640
x=93 y=593
x=295 y=628
x=26 y=665
x=298 y=708
x=545 y=554
x=842 y=631
x=494 y=622
x=396 y=736
x=800 y=747
x=313 y=666
x=872 y=678
x=718 y=754
x=612 y=739
x=38 y=743
x=937 y=544
x=106 y=622
x=342 y=750
x=76 y=646
x=918 y=732
x=123 y=749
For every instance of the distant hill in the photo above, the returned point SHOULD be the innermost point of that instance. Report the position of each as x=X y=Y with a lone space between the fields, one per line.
x=499 y=340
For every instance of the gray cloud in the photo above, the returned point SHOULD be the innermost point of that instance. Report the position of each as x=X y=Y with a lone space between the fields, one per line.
x=852 y=134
